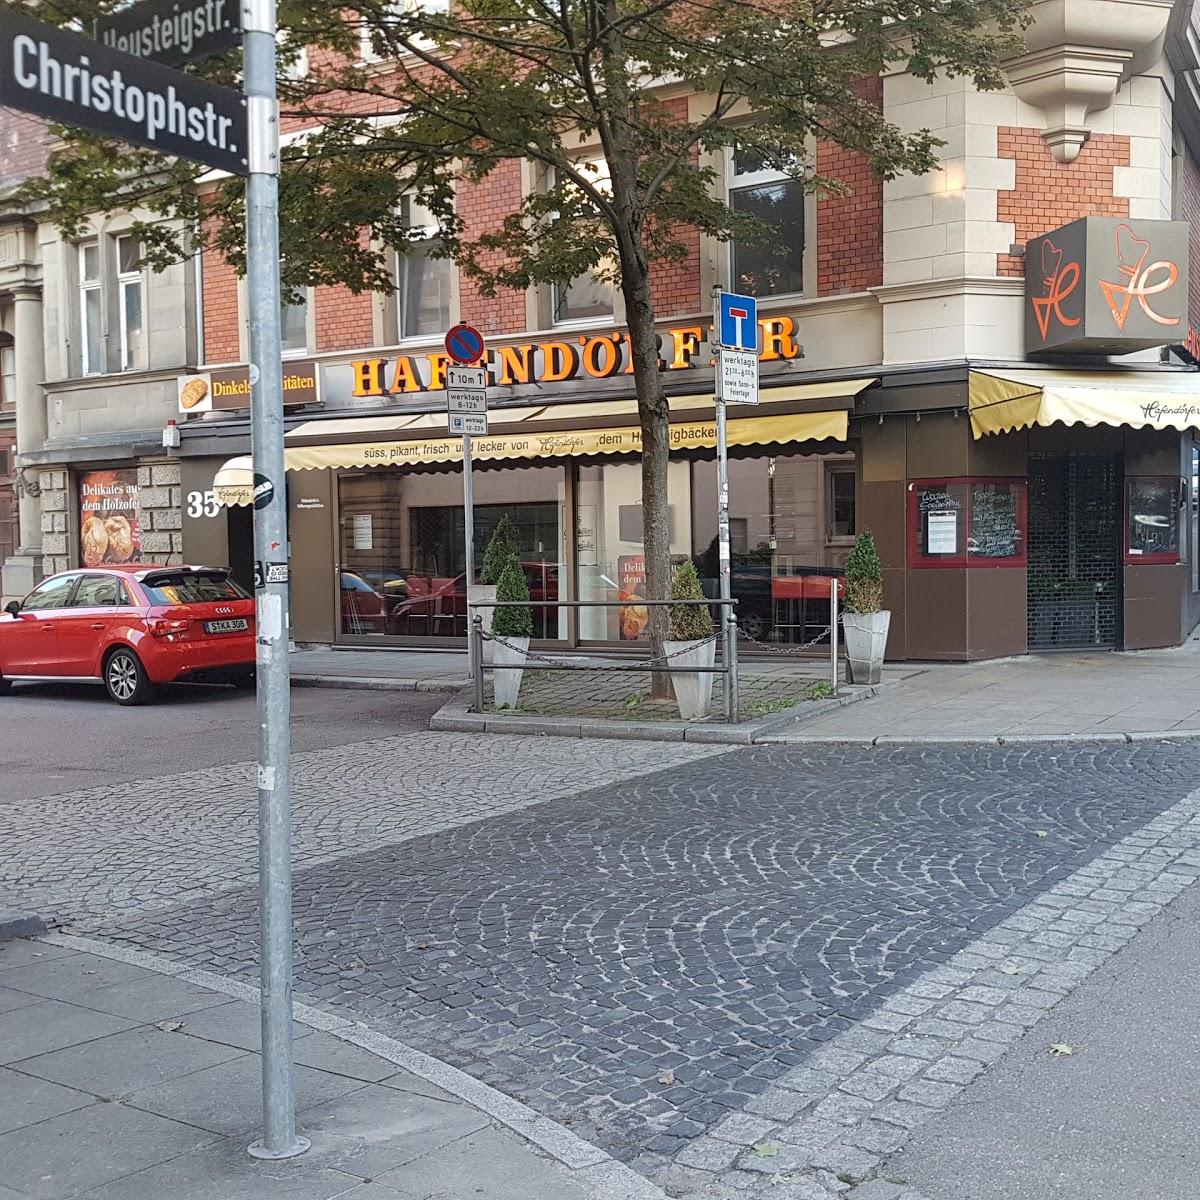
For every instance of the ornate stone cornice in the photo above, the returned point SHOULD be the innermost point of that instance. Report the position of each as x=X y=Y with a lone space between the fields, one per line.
x=1079 y=53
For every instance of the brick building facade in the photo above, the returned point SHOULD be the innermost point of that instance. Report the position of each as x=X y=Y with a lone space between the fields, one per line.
x=902 y=297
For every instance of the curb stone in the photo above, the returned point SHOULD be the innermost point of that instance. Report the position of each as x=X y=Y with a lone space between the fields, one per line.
x=374 y=683
x=602 y=1175
x=1026 y=739
x=455 y=716
x=14 y=924
x=842 y=1113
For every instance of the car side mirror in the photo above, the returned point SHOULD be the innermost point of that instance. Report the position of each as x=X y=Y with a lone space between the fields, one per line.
x=13 y=607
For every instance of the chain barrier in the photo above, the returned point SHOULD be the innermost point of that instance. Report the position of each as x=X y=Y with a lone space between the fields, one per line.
x=789 y=651
x=640 y=665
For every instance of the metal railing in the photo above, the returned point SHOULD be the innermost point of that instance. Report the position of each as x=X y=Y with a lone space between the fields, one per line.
x=727 y=635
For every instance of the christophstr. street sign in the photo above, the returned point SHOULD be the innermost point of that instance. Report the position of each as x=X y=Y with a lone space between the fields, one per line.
x=74 y=81
x=172 y=32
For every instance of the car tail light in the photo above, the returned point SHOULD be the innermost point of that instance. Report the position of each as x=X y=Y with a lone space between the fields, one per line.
x=171 y=628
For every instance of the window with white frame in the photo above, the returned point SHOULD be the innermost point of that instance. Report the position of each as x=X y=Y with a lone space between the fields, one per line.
x=91 y=309
x=775 y=267
x=368 y=50
x=293 y=325
x=130 y=310
x=586 y=297
x=423 y=280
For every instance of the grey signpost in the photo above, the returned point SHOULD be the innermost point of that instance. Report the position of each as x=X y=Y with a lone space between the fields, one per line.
x=279 y=1138
x=73 y=80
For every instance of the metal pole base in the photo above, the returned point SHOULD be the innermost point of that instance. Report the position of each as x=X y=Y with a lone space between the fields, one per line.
x=262 y=1150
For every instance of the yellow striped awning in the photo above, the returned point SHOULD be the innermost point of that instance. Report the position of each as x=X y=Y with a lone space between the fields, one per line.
x=684 y=435
x=1003 y=401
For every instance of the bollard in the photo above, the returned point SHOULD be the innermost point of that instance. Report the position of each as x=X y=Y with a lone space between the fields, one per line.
x=477 y=659
x=833 y=634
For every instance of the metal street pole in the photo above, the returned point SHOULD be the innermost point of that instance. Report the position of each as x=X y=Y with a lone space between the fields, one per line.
x=727 y=627
x=279 y=1138
x=469 y=548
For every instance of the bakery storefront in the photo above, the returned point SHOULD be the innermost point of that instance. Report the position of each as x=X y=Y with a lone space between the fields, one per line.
x=375 y=491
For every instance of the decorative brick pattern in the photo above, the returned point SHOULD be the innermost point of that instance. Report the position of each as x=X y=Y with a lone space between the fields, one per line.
x=482 y=207
x=343 y=319
x=222 y=319
x=1049 y=193
x=850 y=226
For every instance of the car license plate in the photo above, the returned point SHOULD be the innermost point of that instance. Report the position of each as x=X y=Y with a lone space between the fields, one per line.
x=236 y=625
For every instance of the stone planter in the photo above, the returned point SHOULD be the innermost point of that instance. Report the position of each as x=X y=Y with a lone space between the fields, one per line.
x=693 y=689
x=508 y=665
x=481 y=599
x=866 y=638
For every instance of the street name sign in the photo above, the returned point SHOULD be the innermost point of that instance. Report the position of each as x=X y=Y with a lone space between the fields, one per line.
x=172 y=32
x=469 y=424
x=72 y=80
x=739 y=377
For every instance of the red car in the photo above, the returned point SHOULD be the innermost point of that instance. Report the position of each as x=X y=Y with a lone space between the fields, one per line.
x=134 y=627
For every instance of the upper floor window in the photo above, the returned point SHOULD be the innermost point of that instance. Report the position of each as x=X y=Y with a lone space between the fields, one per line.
x=129 y=302
x=293 y=324
x=586 y=297
x=423 y=281
x=369 y=50
x=776 y=267
x=91 y=309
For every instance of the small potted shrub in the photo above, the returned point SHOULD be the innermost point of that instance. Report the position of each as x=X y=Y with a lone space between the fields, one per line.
x=481 y=596
x=865 y=620
x=515 y=626
x=691 y=630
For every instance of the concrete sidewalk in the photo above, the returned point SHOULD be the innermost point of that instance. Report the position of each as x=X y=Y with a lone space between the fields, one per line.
x=1094 y=695
x=122 y=1083
x=416 y=670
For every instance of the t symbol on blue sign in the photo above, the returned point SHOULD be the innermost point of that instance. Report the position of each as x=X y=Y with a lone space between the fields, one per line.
x=739 y=322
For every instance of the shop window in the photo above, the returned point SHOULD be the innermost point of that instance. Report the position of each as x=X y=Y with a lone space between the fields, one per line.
x=1152 y=521
x=967 y=523
x=757 y=189
x=839 y=503
x=423 y=280
x=129 y=302
x=90 y=309
x=586 y=297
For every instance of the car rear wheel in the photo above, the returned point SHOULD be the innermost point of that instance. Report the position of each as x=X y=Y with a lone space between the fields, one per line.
x=125 y=678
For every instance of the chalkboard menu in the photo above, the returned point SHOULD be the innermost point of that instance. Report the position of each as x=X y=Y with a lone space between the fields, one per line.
x=995 y=521
x=966 y=522
x=1153 y=520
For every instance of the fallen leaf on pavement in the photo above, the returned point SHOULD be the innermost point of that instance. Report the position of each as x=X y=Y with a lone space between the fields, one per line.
x=766 y=1150
x=1011 y=969
x=170 y=1026
x=666 y=1078
x=1061 y=1049
x=1043 y=833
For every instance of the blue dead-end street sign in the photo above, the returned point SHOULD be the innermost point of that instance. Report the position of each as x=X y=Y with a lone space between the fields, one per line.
x=72 y=80
x=738 y=319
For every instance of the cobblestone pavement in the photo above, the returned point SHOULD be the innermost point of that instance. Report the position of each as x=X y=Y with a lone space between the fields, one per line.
x=649 y=960
x=88 y=855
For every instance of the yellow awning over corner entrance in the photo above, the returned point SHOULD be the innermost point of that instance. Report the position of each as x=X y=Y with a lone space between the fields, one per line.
x=1004 y=401
x=685 y=435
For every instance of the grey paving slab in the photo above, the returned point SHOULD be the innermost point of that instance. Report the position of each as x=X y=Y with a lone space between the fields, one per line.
x=51 y=1025
x=369 y=1191
x=152 y=999
x=68 y=1154
x=224 y=1171
x=327 y=1053
x=232 y=1023
x=22 y=951
x=123 y=1063
x=488 y=1165
x=227 y=1098
x=75 y=978
x=25 y=1100
x=375 y=1129
x=10 y=999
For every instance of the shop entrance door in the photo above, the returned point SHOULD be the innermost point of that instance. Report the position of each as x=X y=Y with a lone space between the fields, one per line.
x=1074 y=551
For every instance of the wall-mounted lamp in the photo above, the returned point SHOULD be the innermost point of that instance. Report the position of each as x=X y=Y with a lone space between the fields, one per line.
x=171 y=436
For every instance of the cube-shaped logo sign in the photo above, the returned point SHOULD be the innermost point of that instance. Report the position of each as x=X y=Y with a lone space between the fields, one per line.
x=1105 y=285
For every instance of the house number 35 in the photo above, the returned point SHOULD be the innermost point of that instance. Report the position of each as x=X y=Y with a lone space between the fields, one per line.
x=202 y=504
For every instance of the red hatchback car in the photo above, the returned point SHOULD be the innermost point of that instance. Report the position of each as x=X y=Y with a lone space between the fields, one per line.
x=134 y=627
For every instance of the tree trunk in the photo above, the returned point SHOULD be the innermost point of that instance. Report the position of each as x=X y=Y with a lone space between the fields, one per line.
x=653 y=416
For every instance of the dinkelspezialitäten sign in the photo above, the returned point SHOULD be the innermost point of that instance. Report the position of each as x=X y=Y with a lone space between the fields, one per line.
x=75 y=81
x=172 y=32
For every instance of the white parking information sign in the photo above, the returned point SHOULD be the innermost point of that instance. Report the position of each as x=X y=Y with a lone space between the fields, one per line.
x=469 y=424
x=739 y=377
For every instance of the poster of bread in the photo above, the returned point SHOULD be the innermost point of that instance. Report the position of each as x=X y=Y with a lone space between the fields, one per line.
x=109 y=531
x=195 y=394
x=634 y=618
